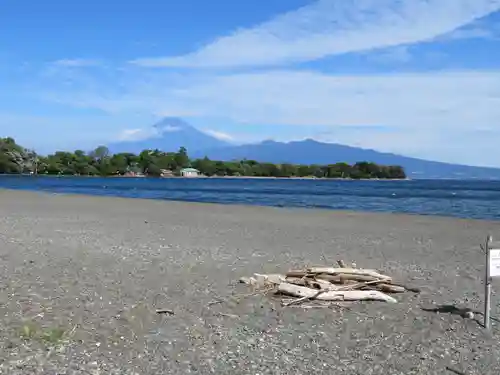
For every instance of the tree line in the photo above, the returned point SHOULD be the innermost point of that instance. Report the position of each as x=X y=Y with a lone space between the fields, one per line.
x=14 y=159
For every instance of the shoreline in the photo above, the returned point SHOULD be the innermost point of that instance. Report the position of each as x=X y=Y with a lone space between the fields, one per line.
x=213 y=177
x=239 y=206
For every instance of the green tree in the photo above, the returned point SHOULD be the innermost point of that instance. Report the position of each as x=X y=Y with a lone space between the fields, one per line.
x=16 y=159
x=120 y=163
x=205 y=166
x=182 y=158
x=100 y=153
x=288 y=170
x=333 y=171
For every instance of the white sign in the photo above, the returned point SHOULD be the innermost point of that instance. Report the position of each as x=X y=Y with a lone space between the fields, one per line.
x=494 y=263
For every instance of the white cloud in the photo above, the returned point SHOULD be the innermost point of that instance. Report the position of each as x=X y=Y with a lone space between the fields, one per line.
x=152 y=132
x=139 y=134
x=332 y=27
x=431 y=113
x=219 y=135
x=442 y=99
x=307 y=98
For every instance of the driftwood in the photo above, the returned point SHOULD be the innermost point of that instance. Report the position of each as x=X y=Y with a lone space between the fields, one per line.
x=349 y=295
x=339 y=274
x=340 y=279
x=297 y=273
x=338 y=270
x=345 y=278
x=319 y=284
x=297 y=280
x=348 y=271
x=360 y=286
x=349 y=281
x=328 y=284
x=306 y=297
x=389 y=288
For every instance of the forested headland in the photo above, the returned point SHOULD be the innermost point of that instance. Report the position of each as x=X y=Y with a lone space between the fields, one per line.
x=15 y=159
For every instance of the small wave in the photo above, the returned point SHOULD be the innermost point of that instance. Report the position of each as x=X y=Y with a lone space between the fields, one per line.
x=470 y=199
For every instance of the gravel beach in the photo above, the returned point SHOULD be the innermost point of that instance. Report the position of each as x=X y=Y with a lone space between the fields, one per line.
x=81 y=279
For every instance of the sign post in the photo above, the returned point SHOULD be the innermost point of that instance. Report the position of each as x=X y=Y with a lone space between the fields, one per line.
x=487 y=287
x=492 y=270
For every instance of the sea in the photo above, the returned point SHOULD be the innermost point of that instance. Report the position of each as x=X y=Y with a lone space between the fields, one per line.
x=456 y=198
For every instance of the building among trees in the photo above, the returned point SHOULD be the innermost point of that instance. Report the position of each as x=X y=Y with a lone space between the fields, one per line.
x=189 y=172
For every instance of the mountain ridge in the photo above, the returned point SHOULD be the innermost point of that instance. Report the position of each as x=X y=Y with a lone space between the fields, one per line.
x=169 y=134
x=311 y=151
x=174 y=133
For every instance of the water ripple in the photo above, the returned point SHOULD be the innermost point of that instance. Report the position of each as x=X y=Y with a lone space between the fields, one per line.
x=468 y=199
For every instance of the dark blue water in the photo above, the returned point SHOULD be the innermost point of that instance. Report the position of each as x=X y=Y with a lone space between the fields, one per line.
x=468 y=199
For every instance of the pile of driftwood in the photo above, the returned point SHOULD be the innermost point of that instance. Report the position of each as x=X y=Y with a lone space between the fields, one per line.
x=330 y=284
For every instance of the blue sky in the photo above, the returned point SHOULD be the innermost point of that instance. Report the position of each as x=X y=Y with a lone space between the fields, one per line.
x=416 y=77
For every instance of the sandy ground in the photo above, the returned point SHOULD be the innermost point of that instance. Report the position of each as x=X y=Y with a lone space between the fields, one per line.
x=81 y=278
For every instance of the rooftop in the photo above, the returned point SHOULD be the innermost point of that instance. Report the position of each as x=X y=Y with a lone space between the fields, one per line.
x=189 y=170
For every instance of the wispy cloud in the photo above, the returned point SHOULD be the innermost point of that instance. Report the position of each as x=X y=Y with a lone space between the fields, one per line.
x=424 y=111
x=76 y=63
x=442 y=99
x=470 y=33
x=138 y=134
x=331 y=27
x=485 y=28
x=219 y=135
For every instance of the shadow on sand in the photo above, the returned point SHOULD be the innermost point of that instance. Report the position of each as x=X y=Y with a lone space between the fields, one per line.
x=462 y=312
x=454 y=310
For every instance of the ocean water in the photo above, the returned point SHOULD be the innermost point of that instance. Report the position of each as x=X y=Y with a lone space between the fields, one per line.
x=467 y=199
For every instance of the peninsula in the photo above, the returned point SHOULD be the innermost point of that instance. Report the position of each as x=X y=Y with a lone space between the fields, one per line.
x=15 y=159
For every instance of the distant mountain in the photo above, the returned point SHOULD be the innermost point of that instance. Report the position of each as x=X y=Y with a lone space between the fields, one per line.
x=313 y=152
x=172 y=133
x=169 y=135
